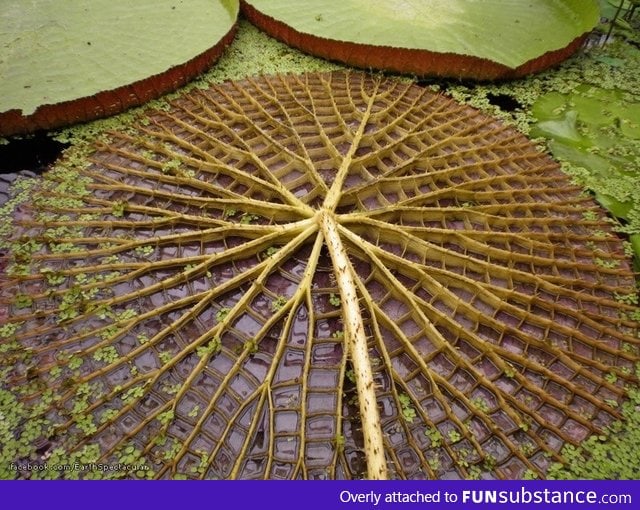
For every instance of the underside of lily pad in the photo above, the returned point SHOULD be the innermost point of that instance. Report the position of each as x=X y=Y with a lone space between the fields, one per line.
x=66 y=62
x=478 y=39
x=322 y=276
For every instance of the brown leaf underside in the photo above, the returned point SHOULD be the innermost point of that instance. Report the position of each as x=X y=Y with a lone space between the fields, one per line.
x=206 y=254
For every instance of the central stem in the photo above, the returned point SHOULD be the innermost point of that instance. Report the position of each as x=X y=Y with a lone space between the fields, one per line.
x=356 y=347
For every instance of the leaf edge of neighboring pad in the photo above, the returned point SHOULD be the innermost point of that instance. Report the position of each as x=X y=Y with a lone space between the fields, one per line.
x=27 y=116
x=373 y=51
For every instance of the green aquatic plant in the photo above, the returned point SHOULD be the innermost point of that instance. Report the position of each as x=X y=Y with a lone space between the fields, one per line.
x=583 y=113
x=406 y=406
x=596 y=130
x=65 y=63
x=459 y=255
x=449 y=38
x=611 y=455
x=617 y=15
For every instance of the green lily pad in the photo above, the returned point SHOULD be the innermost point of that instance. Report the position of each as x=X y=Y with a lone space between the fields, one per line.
x=485 y=39
x=635 y=244
x=66 y=61
x=564 y=128
x=616 y=207
x=612 y=61
x=597 y=132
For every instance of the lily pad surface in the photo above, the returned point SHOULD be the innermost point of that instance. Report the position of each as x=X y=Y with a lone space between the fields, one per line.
x=330 y=275
x=484 y=39
x=64 y=61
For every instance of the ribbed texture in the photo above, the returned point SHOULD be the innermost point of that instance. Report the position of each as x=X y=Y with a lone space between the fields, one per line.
x=487 y=286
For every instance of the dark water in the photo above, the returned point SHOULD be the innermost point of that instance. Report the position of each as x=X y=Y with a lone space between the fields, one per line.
x=27 y=157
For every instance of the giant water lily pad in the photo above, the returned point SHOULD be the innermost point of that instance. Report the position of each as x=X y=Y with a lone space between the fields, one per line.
x=482 y=39
x=319 y=276
x=65 y=61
